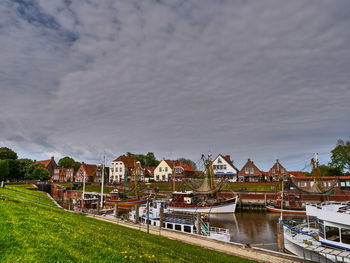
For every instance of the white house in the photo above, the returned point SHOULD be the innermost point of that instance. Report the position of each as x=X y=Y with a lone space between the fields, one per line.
x=223 y=166
x=163 y=171
x=124 y=165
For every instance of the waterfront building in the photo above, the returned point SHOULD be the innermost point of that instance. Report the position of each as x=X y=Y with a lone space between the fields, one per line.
x=90 y=171
x=50 y=165
x=223 y=167
x=250 y=173
x=124 y=165
x=277 y=173
x=164 y=171
x=64 y=174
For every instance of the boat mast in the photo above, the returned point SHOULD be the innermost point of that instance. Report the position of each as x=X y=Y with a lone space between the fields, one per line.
x=135 y=176
x=103 y=176
x=314 y=162
x=173 y=177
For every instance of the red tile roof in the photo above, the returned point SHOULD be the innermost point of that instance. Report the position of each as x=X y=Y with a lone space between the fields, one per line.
x=45 y=162
x=185 y=166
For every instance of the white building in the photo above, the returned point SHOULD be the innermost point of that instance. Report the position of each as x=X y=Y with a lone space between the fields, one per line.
x=163 y=171
x=124 y=165
x=223 y=166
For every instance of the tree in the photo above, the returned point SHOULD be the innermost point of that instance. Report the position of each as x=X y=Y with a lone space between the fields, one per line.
x=4 y=170
x=326 y=170
x=188 y=161
x=147 y=160
x=7 y=153
x=37 y=171
x=341 y=156
x=67 y=162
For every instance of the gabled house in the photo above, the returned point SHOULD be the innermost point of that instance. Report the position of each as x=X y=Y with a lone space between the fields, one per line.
x=64 y=174
x=88 y=171
x=163 y=171
x=277 y=173
x=249 y=173
x=50 y=165
x=124 y=165
x=223 y=167
x=182 y=170
x=148 y=172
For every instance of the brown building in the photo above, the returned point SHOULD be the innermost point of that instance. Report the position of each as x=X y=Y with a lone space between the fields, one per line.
x=249 y=173
x=87 y=170
x=50 y=165
x=277 y=173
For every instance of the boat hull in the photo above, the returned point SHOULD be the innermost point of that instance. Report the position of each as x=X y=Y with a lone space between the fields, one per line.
x=224 y=207
x=127 y=203
x=285 y=211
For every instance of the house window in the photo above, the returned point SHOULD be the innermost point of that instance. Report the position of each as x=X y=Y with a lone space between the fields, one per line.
x=160 y=169
x=219 y=160
x=247 y=170
x=251 y=170
x=120 y=169
x=157 y=177
x=214 y=167
x=166 y=169
x=273 y=171
x=282 y=171
x=224 y=167
x=163 y=177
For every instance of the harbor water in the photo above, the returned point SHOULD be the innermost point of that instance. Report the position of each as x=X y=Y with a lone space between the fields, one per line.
x=258 y=229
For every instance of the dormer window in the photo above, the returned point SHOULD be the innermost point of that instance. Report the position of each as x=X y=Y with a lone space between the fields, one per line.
x=219 y=160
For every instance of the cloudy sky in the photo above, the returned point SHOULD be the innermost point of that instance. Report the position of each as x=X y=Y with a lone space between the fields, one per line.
x=253 y=79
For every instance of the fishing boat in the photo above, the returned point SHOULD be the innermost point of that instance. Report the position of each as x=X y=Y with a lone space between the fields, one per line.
x=287 y=203
x=159 y=215
x=130 y=185
x=326 y=238
x=203 y=197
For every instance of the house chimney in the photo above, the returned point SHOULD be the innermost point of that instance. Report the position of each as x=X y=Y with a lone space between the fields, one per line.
x=52 y=158
x=228 y=158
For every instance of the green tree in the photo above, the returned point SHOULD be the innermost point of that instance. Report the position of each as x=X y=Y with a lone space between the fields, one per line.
x=326 y=170
x=37 y=171
x=7 y=153
x=147 y=160
x=188 y=161
x=67 y=162
x=4 y=170
x=341 y=156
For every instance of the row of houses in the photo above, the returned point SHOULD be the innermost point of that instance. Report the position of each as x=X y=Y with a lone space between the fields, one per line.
x=167 y=170
x=91 y=172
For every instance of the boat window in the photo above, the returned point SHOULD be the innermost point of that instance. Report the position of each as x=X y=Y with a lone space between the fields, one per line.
x=154 y=223
x=178 y=227
x=163 y=224
x=170 y=226
x=345 y=236
x=321 y=228
x=187 y=229
x=332 y=233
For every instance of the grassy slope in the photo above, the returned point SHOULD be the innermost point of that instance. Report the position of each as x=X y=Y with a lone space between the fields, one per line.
x=44 y=234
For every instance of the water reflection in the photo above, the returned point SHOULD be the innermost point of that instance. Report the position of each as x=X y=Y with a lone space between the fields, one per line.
x=254 y=228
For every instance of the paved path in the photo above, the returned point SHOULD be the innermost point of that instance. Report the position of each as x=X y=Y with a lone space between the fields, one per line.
x=224 y=247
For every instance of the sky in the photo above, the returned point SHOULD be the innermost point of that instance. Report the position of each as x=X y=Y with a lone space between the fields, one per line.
x=260 y=79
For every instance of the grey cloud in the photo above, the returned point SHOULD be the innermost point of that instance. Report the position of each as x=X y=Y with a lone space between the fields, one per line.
x=252 y=79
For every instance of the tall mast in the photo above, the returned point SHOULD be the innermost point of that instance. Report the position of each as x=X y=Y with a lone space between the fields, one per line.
x=135 y=177
x=103 y=176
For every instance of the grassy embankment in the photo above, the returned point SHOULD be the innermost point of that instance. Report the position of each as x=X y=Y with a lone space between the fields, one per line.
x=44 y=234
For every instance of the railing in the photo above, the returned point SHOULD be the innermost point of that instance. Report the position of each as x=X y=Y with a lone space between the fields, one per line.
x=38 y=197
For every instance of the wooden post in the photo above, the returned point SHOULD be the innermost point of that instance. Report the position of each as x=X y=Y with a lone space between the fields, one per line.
x=280 y=237
x=265 y=199
x=82 y=205
x=161 y=217
x=69 y=200
x=98 y=207
x=116 y=210
x=137 y=212
x=198 y=223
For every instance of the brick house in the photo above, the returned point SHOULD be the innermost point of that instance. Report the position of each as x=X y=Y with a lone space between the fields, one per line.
x=64 y=174
x=277 y=173
x=50 y=165
x=250 y=173
x=181 y=170
x=87 y=170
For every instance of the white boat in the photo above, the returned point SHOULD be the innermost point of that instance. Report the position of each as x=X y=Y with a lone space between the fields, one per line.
x=326 y=238
x=186 y=202
x=182 y=222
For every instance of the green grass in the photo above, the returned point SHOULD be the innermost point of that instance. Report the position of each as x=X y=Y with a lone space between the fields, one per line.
x=252 y=187
x=44 y=234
